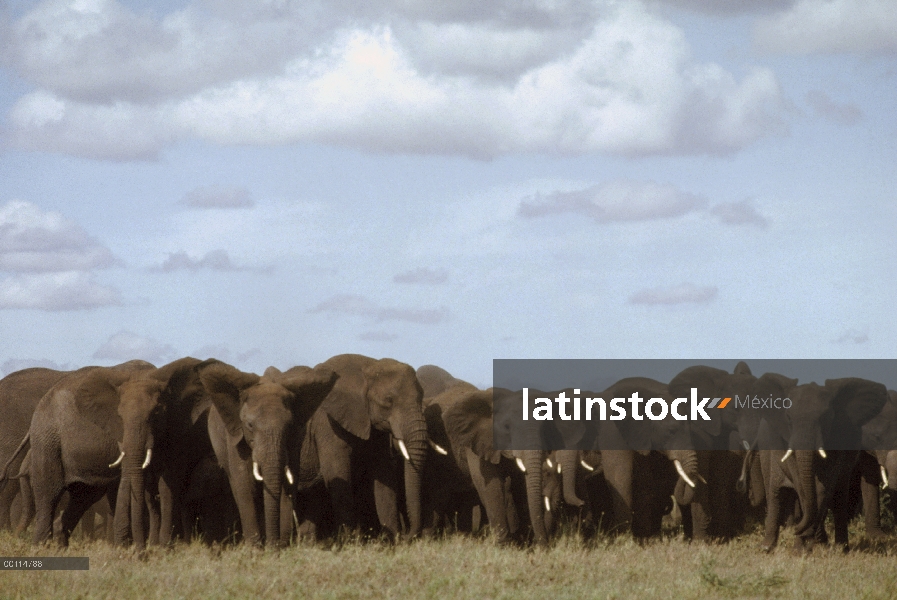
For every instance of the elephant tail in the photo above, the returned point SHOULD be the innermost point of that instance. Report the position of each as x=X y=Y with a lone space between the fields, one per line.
x=24 y=446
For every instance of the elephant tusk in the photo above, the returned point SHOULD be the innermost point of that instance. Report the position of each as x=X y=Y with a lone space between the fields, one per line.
x=745 y=445
x=682 y=474
x=822 y=453
x=289 y=475
x=520 y=465
x=255 y=471
x=550 y=464
x=121 y=457
x=149 y=456
x=404 y=450
x=787 y=454
x=547 y=503
x=704 y=481
x=884 y=476
x=438 y=448
x=586 y=466
x=559 y=468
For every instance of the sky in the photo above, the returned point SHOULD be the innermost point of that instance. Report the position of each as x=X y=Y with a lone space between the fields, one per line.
x=278 y=182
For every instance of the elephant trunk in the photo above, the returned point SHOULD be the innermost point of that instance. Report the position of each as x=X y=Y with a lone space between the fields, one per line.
x=533 y=462
x=272 y=462
x=891 y=472
x=569 y=461
x=129 y=507
x=415 y=441
x=807 y=491
x=684 y=492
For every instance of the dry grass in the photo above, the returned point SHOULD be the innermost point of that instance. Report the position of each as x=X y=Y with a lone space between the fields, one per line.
x=462 y=567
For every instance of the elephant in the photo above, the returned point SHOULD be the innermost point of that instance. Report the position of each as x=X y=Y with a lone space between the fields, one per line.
x=877 y=465
x=20 y=393
x=633 y=477
x=255 y=431
x=464 y=469
x=372 y=415
x=717 y=509
x=126 y=431
x=813 y=448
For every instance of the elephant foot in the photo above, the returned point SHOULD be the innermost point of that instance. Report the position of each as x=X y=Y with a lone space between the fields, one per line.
x=802 y=546
x=876 y=535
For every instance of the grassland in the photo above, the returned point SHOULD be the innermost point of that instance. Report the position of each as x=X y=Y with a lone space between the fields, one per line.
x=463 y=567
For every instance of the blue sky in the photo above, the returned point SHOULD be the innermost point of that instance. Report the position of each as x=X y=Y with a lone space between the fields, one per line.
x=446 y=183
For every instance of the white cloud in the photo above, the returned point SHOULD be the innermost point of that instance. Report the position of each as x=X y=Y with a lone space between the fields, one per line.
x=685 y=293
x=33 y=240
x=617 y=201
x=218 y=196
x=569 y=80
x=853 y=336
x=739 y=213
x=726 y=7
x=69 y=290
x=127 y=345
x=363 y=307
x=843 y=114
x=215 y=260
x=830 y=26
x=423 y=275
x=377 y=336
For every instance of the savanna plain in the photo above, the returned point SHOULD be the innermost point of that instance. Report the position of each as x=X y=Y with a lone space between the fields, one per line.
x=459 y=567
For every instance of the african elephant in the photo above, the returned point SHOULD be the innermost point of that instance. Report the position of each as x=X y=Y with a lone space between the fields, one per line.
x=435 y=380
x=878 y=465
x=256 y=432
x=635 y=480
x=813 y=448
x=464 y=469
x=717 y=509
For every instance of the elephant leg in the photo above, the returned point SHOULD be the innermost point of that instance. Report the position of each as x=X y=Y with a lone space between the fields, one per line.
x=702 y=502
x=839 y=508
x=617 y=466
x=166 y=514
x=335 y=455
x=286 y=516
x=81 y=498
x=773 y=504
x=26 y=501
x=385 y=493
x=7 y=496
x=46 y=484
x=155 y=517
x=491 y=488
x=243 y=488
x=88 y=522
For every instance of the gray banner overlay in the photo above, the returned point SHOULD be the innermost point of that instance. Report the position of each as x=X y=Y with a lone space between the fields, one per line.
x=664 y=405
x=45 y=563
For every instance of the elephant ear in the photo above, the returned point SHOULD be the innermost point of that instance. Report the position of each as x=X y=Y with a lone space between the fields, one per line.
x=860 y=399
x=272 y=373
x=742 y=368
x=309 y=386
x=776 y=386
x=224 y=384
x=97 y=396
x=468 y=424
x=347 y=402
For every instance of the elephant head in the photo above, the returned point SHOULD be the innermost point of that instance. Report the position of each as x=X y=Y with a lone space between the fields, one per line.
x=384 y=395
x=262 y=416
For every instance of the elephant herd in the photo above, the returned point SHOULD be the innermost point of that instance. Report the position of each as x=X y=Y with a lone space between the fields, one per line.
x=373 y=446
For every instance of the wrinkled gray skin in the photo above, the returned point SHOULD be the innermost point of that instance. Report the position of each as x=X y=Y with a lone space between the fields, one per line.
x=722 y=444
x=828 y=417
x=878 y=465
x=354 y=437
x=255 y=429
x=435 y=380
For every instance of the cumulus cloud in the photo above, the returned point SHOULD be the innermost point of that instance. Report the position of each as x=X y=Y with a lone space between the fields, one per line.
x=363 y=307
x=225 y=354
x=127 y=345
x=68 y=290
x=685 y=293
x=377 y=336
x=217 y=196
x=34 y=240
x=616 y=201
x=853 y=336
x=215 y=260
x=422 y=276
x=567 y=78
x=11 y=365
x=843 y=114
x=726 y=7
x=830 y=26
x=739 y=213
